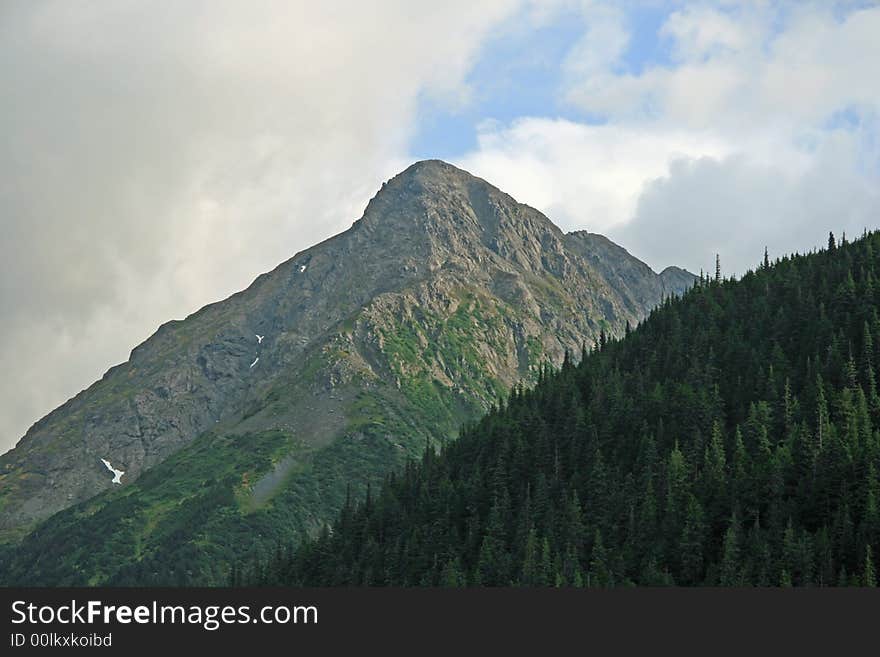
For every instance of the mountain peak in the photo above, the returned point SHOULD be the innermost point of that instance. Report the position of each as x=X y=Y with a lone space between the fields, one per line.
x=430 y=167
x=431 y=178
x=432 y=193
x=435 y=212
x=435 y=171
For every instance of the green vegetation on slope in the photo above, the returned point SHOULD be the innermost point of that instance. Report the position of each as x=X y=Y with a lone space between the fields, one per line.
x=236 y=495
x=435 y=359
x=733 y=438
x=187 y=519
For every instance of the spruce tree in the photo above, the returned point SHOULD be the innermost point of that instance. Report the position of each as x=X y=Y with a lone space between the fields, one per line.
x=869 y=575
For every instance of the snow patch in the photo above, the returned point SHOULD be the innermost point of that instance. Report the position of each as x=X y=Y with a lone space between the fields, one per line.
x=117 y=474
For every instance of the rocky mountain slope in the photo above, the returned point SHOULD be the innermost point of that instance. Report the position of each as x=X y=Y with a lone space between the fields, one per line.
x=336 y=365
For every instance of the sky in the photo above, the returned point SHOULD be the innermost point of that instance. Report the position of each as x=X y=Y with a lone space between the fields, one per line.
x=155 y=157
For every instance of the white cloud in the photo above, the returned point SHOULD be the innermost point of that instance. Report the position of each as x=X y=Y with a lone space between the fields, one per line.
x=155 y=159
x=736 y=207
x=738 y=69
x=700 y=32
x=762 y=129
x=582 y=176
x=604 y=40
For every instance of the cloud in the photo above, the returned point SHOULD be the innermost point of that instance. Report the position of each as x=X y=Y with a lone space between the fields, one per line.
x=582 y=176
x=735 y=207
x=760 y=128
x=156 y=159
x=739 y=68
x=700 y=33
x=597 y=52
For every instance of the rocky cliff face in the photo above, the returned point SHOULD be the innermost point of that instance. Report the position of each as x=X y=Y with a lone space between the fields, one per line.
x=443 y=295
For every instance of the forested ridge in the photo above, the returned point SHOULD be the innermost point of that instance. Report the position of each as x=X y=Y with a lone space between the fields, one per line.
x=733 y=438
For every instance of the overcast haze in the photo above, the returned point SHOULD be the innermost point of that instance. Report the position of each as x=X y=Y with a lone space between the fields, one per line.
x=154 y=159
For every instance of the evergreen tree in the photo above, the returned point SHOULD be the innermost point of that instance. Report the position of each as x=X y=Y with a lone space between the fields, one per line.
x=600 y=574
x=731 y=572
x=869 y=576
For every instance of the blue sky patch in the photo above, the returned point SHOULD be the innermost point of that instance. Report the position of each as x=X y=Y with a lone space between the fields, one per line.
x=519 y=74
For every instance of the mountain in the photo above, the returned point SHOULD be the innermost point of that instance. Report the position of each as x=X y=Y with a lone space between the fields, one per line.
x=732 y=439
x=248 y=420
